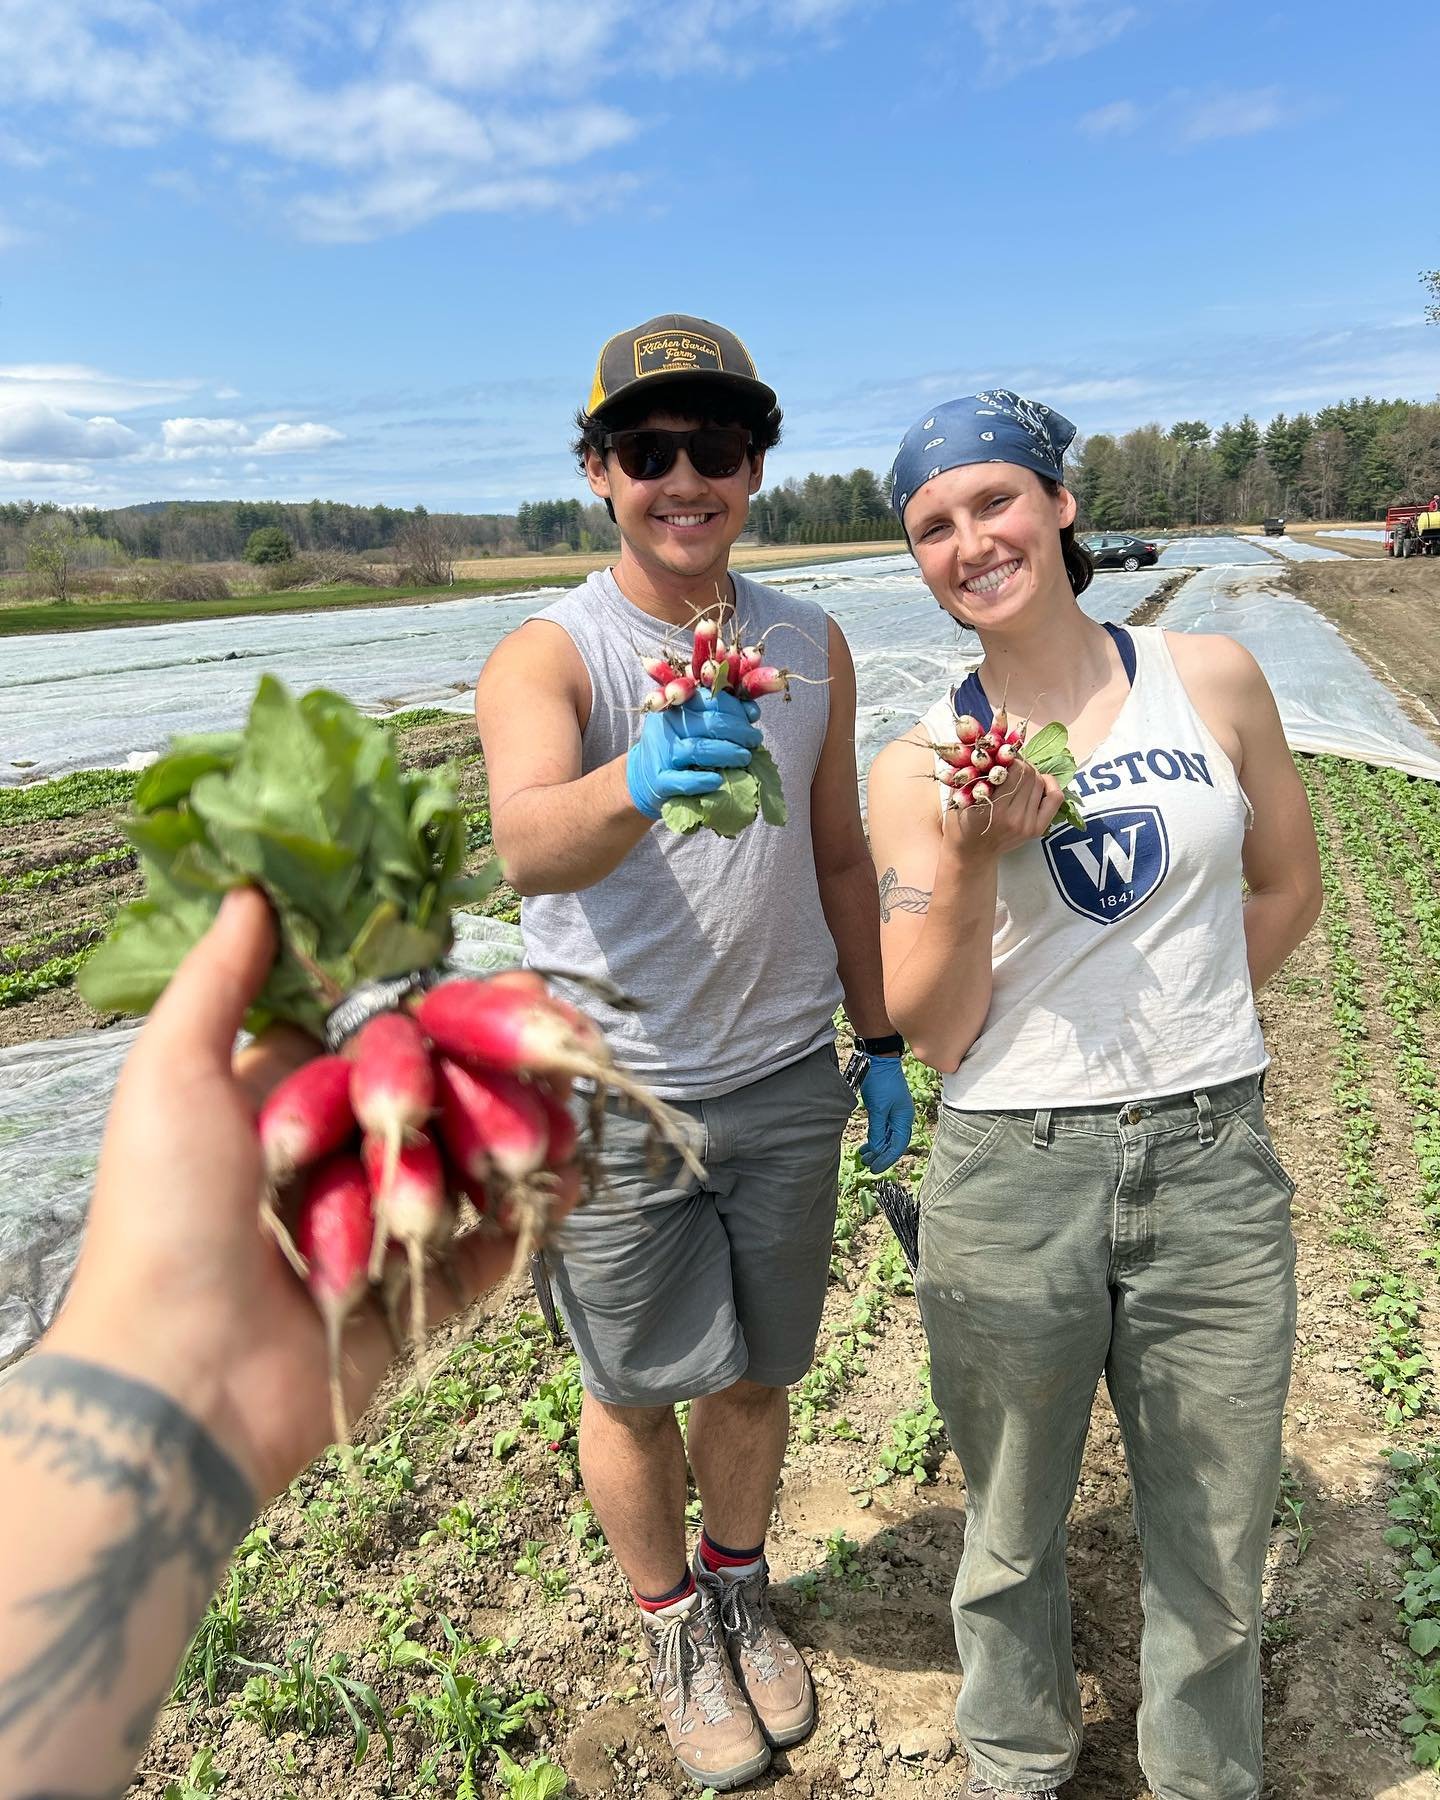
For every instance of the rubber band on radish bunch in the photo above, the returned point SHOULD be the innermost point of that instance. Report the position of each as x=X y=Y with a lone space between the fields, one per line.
x=709 y=663
x=438 y=1098
x=980 y=764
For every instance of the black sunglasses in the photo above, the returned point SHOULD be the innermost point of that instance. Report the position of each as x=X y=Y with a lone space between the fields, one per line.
x=647 y=453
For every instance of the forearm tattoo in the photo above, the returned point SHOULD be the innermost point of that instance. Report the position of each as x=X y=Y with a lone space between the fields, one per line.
x=186 y=1504
x=894 y=898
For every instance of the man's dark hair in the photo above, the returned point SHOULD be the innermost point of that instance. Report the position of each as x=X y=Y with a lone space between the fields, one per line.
x=708 y=401
x=1079 y=564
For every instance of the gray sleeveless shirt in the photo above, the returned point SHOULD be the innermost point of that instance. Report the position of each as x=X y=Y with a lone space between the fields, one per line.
x=722 y=943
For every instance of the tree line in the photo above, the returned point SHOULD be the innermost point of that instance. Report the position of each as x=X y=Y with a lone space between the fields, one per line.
x=1349 y=461
x=1352 y=459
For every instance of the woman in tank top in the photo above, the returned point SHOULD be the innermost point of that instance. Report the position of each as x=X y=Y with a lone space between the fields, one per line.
x=1102 y=1196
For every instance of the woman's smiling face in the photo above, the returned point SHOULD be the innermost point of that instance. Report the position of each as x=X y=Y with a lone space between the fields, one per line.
x=986 y=537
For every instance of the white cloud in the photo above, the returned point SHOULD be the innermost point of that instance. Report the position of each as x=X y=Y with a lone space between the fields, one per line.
x=184 y=434
x=34 y=429
x=510 y=41
x=1184 y=118
x=284 y=438
x=76 y=388
x=22 y=153
x=466 y=107
x=1120 y=117
x=1026 y=34
x=1239 y=114
x=37 y=472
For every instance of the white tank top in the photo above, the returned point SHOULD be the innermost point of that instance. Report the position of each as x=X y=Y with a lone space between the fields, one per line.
x=1119 y=951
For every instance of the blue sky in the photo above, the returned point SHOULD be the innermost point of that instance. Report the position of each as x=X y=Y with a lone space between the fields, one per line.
x=367 y=249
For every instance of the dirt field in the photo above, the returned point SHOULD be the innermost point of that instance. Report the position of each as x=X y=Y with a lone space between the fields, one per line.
x=468 y=1508
x=1389 y=611
x=748 y=556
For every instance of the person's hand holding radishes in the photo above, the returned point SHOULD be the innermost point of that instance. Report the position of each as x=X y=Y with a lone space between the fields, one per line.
x=177 y=1286
x=683 y=747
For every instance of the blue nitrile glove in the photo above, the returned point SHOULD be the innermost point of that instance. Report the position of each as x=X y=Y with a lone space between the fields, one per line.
x=885 y=1095
x=682 y=749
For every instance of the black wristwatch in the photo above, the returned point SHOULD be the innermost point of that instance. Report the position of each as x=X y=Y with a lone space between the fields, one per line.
x=893 y=1045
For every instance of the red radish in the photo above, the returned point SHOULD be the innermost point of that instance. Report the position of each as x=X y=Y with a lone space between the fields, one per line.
x=503 y=1029
x=654 y=701
x=967 y=729
x=998 y=776
x=978 y=792
x=306 y=1117
x=1000 y=724
x=963 y=797
x=411 y=1208
x=392 y=1089
x=707 y=631
x=957 y=755
x=1015 y=736
x=491 y=1121
x=764 y=680
x=981 y=759
x=681 y=689
x=524 y=981
x=989 y=742
x=335 y=1226
x=658 y=669
x=1006 y=754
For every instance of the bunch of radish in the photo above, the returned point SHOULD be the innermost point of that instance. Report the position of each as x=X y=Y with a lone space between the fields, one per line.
x=981 y=761
x=715 y=667
x=734 y=668
x=462 y=1096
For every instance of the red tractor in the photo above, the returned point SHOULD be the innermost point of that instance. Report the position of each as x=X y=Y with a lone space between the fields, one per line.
x=1413 y=529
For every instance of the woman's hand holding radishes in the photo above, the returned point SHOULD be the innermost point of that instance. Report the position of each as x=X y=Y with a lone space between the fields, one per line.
x=1006 y=786
x=700 y=759
x=441 y=1107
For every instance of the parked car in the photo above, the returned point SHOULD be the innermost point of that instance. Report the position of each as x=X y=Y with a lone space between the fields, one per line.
x=1115 y=550
x=1274 y=527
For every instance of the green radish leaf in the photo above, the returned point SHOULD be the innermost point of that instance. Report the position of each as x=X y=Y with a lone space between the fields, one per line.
x=171 y=778
x=733 y=805
x=1046 y=743
x=1425 y=1636
x=129 y=972
x=683 y=814
x=767 y=776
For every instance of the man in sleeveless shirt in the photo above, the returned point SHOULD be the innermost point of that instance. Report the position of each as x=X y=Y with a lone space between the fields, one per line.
x=736 y=953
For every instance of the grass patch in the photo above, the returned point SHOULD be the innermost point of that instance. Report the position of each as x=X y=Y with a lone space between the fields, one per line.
x=67 y=796
x=101 y=615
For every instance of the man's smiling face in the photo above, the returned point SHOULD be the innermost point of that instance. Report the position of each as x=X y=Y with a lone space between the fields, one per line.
x=682 y=522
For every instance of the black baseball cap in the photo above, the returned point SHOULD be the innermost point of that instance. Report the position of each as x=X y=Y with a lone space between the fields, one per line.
x=669 y=348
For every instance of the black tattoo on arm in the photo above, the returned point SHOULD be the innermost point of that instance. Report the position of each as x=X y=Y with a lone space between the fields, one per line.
x=185 y=1503
x=894 y=898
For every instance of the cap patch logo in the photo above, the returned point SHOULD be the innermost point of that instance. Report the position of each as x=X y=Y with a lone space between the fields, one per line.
x=677 y=352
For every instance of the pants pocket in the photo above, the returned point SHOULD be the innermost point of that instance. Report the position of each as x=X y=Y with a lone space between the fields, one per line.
x=1250 y=1123
x=962 y=1142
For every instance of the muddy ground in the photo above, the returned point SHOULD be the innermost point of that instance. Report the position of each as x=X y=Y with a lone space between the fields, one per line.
x=469 y=1507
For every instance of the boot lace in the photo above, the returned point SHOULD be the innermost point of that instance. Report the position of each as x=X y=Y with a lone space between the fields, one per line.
x=752 y=1624
x=687 y=1662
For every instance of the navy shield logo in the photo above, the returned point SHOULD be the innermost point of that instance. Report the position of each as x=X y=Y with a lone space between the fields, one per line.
x=1114 y=865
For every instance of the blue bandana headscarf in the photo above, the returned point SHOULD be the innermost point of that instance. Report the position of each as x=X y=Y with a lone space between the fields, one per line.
x=996 y=426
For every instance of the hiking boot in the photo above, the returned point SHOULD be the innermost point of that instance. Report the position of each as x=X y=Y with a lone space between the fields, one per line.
x=710 y=1726
x=979 y=1786
x=771 y=1670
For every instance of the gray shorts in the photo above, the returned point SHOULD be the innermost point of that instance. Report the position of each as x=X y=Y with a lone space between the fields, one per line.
x=673 y=1287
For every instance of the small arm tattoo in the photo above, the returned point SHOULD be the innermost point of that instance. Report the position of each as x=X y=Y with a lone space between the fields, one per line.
x=894 y=898
x=184 y=1502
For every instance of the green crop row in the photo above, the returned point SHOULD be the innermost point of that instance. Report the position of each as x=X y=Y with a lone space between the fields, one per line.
x=1395 y=1363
